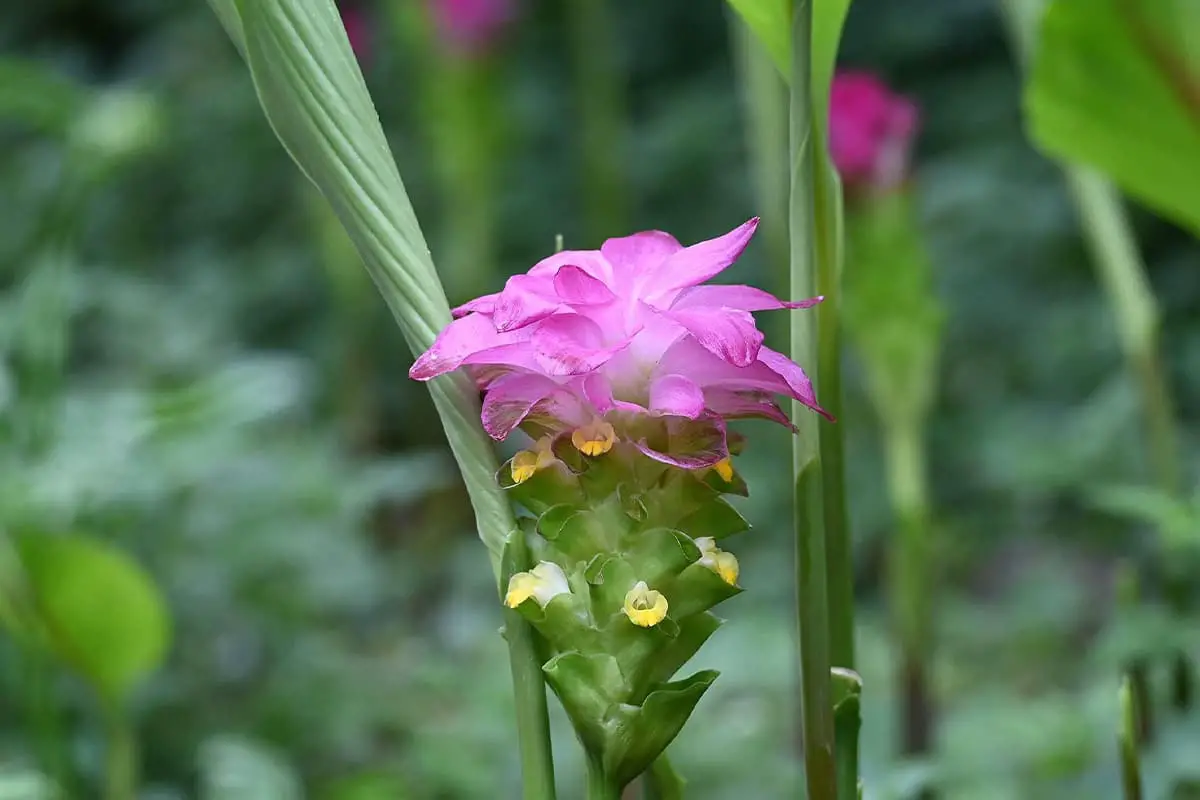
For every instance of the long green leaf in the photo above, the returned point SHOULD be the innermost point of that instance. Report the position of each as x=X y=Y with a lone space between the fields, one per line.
x=313 y=93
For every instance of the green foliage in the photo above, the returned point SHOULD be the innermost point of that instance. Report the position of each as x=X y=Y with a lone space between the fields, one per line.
x=101 y=613
x=1113 y=88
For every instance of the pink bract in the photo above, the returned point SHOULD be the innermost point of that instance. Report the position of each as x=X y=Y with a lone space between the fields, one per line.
x=871 y=130
x=469 y=27
x=625 y=333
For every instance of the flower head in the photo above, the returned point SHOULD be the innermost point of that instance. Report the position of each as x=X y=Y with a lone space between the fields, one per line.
x=625 y=344
x=870 y=131
x=543 y=583
x=469 y=27
x=528 y=462
x=644 y=606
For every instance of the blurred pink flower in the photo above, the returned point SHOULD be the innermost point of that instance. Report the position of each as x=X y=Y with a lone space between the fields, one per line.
x=357 y=31
x=469 y=27
x=870 y=131
x=625 y=336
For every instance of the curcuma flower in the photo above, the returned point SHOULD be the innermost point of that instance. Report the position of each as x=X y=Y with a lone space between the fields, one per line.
x=871 y=131
x=625 y=343
x=624 y=368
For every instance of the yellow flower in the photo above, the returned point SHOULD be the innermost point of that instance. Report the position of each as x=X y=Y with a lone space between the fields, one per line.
x=594 y=439
x=724 y=468
x=716 y=559
x=644 y=606
x=527 y=462
x=543 y=583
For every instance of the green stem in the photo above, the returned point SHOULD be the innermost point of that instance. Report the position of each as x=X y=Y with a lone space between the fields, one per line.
x=121 y=764
x=599 y=785
x=1123 y=275
x=812 y=602
x=529 y=687
x=839 y=553
x=1131 y=770
x=913 y=575
x=599 y=93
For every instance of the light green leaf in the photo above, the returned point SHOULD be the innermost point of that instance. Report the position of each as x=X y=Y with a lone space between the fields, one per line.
x=1110 y=90
x=102 y=614
x=313 y=94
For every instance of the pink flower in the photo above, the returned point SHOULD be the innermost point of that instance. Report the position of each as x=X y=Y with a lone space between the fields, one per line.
x=469 y=27
x=624 y=343
x=870 y=131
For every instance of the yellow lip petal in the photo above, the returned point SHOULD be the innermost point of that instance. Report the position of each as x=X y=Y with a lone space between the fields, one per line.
x=724 y=468
x=524 y=465
x=520 y=588
x=727 y=567
x=594 y=439
x=644 y=606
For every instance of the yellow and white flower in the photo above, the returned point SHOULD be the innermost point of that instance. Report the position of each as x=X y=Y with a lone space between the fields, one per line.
x=723 y=563
x=644 y=606
x=543 y=583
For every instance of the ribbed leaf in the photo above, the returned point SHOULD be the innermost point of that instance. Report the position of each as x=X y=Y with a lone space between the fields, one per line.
x=313 y=93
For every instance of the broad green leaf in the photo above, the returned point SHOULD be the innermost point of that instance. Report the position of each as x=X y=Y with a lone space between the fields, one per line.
x=314 y=96
x=1110 y=89
x=102 y=614
x=234 y=768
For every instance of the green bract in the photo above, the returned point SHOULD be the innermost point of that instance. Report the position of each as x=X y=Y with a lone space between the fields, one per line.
x=608 y=523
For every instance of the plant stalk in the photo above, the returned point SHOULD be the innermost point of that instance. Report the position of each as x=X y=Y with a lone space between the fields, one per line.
x=599 y=785
x=121 y=761
x=913 y=576
x=812 y=602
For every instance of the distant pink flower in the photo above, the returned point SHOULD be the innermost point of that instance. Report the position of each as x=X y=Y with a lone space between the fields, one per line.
x=625 y=336
x=870 y=131
x=357 y=31
x=469 y=27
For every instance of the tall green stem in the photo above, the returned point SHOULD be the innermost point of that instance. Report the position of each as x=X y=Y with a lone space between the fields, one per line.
x=811 y=590
x=599 y=785
x=121 y=765
x=599 y=93
x=913 y=575
x=839 y=554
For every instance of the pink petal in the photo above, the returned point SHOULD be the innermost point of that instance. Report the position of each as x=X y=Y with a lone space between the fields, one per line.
x=745 y=298
x=676 y=395
x=571 y=344
x=727 y=333
x=590 y=261
x=597 y=390
x=459 y=342
x=733 y=404
x=772 y=373
x=799 y=383
x=576 y=287
x=696 y=264
x=639 y=253
x=525 y=299
x=483 y=305
x=690 y=444
x=512 y=398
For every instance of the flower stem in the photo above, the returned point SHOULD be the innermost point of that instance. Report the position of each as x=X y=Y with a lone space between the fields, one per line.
x=913 y=576
x=599 y=785
x=121 y=765
x=812 y=601
x=599 y=94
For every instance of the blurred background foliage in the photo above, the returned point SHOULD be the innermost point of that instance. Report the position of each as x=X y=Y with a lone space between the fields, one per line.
x=204 y=402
